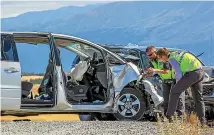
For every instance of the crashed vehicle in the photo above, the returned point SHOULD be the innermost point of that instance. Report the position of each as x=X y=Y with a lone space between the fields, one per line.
x=101 y=82
x=137 y=55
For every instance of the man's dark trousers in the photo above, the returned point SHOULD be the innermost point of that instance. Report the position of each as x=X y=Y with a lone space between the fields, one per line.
x=194 y=80
x=167 y=85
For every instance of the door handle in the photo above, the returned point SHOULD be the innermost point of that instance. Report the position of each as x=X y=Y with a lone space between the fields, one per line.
x=11 y=70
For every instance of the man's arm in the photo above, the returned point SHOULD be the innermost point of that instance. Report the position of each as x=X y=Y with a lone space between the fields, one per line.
x=165 y=70
x=176 y=67
x=161 y=71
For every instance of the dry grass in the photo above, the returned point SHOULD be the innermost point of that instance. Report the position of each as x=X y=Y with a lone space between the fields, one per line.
x=187 y=125
x=28 y=78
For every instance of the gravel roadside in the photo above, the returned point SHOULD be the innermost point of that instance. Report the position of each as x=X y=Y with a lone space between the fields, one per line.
x=78 y=128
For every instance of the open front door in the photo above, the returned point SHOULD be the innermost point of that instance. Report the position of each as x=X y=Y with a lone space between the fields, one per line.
x=56 y=62
x=10 y=74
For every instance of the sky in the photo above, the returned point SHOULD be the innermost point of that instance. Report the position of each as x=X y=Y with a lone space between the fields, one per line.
x=15 y=7
x=12 y=8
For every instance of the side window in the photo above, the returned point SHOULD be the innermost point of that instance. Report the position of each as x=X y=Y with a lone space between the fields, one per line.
x=146 y=61
x=8 y=49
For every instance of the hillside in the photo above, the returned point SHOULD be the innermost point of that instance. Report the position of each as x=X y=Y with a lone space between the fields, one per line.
x=187 y=25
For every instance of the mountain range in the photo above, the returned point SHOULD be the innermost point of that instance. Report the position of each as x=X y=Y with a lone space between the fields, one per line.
x=186 y=25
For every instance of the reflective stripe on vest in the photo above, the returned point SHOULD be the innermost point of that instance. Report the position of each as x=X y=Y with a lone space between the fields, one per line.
x=159 y=65
x=188 y=64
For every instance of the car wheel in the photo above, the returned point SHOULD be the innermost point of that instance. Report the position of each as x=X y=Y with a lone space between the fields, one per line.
x=131 y=105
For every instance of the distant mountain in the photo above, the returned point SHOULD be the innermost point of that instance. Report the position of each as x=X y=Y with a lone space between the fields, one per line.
x=36 y=20
x=187 y=25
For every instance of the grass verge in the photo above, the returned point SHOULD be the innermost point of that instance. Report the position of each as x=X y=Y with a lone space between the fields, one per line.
x=186 y=125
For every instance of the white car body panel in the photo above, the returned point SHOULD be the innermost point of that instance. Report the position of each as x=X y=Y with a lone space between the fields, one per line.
x=10 y=86
x=123 y=74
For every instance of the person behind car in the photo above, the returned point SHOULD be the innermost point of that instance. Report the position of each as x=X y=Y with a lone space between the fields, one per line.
x=189 y=73
x=166 y=73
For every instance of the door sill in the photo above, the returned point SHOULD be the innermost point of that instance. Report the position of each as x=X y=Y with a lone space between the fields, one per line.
x=33 y=103
x=36 y=106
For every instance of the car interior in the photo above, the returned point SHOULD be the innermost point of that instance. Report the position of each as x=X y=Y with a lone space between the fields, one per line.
x=37 y=90
x=86 y=81
x=45 y=93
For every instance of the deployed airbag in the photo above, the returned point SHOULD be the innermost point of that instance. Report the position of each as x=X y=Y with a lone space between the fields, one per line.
x=77 y=72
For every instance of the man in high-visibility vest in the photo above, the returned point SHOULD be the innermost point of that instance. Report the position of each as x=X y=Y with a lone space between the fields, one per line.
x=167 y=75
x=189 y=73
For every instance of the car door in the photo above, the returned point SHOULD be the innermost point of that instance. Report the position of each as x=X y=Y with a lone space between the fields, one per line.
x=10 y=74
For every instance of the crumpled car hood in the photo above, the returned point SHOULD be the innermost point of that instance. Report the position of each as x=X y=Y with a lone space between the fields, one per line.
x=123 y=74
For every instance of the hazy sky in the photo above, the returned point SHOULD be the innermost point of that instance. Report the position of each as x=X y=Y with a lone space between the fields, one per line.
x=15 y=7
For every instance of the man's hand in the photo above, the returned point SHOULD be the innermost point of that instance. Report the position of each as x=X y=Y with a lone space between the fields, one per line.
x=144 y=75
x=147 y=74
x=151 y=70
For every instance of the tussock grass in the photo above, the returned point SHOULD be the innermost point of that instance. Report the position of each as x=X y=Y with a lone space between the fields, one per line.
x=186 y=125
x=28 y=78
x=33 y=79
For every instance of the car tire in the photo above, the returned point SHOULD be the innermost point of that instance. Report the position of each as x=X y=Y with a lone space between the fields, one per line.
x=136 y=102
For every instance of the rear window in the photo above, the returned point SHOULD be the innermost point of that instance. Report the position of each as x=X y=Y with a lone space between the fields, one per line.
x=8 y=49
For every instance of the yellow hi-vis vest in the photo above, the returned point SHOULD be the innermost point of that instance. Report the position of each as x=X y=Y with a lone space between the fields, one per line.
x=187 y=61
x=159 y=65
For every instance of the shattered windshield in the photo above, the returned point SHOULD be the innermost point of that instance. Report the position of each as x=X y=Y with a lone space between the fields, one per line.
x=83 y=48
x=129 y=56
x=79 y=48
